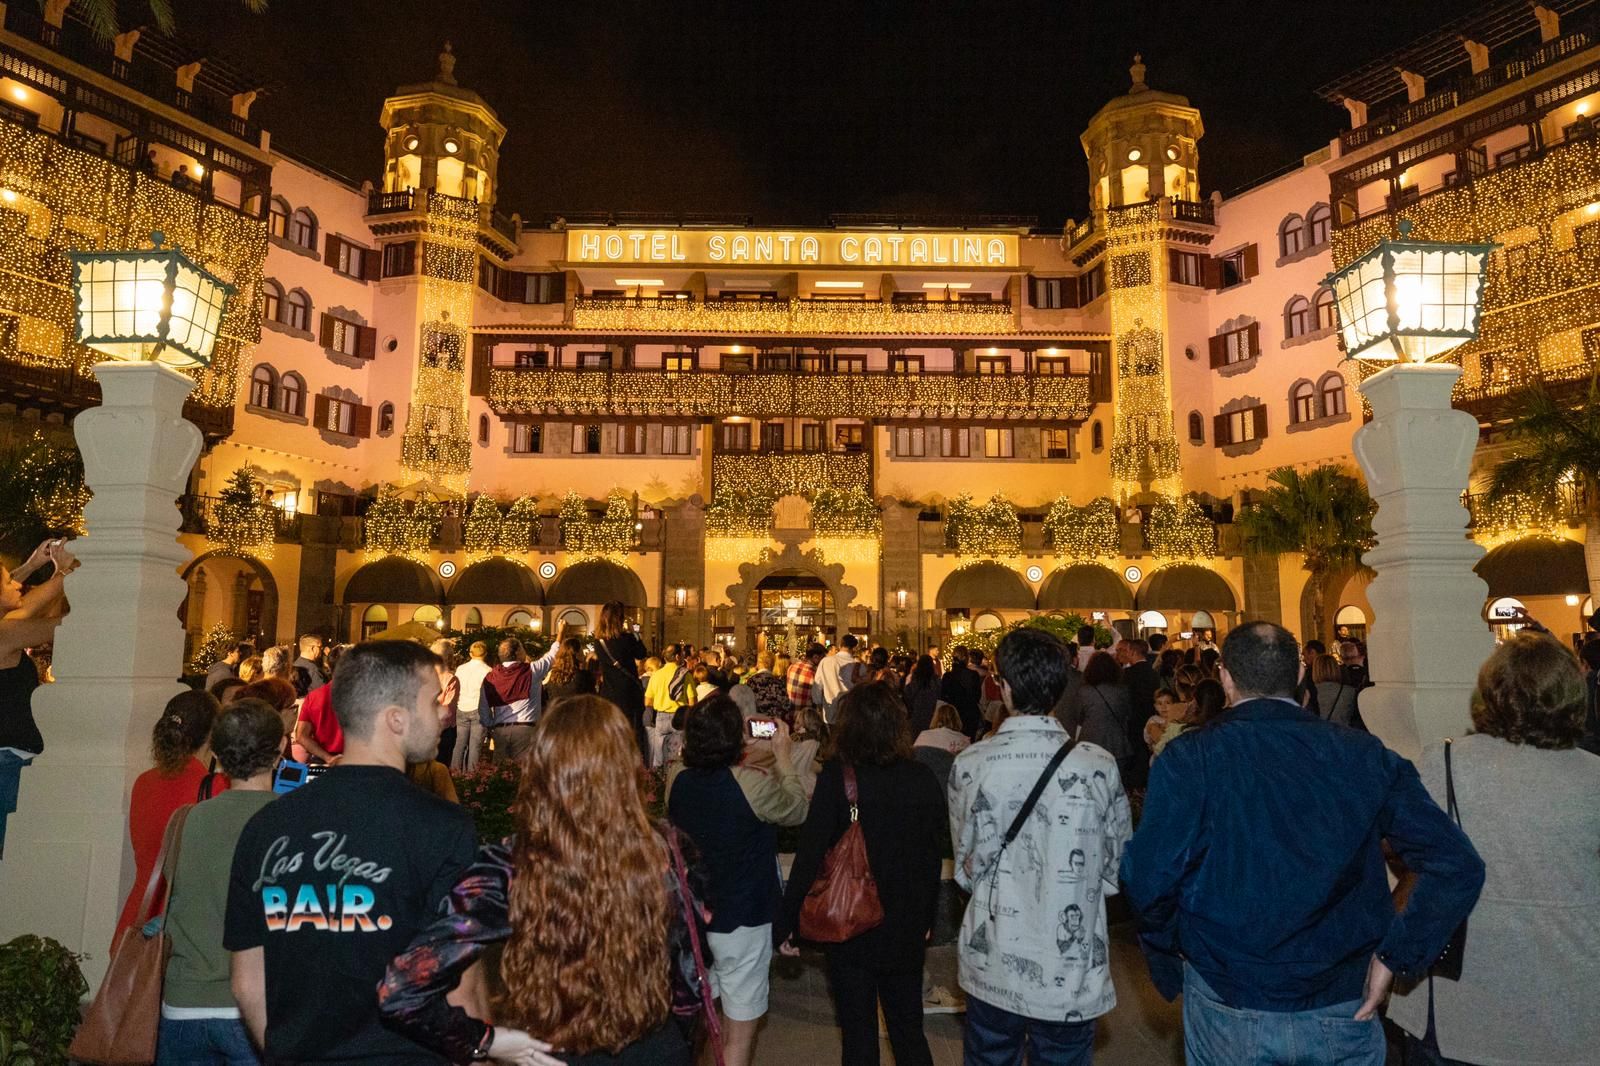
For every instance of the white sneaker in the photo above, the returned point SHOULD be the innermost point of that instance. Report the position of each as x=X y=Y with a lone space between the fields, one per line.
x=941 y=1000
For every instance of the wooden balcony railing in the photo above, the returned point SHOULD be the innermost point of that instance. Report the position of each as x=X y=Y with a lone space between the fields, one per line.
x=782 y=394
x=813 y=317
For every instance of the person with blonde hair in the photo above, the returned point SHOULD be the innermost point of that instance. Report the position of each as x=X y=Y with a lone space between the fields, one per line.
x=583 y=899
x=252 y=669
x=469 y=706
x=1533 y=937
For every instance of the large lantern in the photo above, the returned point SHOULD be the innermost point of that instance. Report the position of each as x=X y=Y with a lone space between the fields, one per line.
x=1410 y=301
x=148 y=306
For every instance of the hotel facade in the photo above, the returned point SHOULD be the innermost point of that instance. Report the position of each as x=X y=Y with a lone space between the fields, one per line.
x=910 y=429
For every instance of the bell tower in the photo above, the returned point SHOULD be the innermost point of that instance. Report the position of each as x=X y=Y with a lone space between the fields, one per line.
x=1142 y=160
x=440 y=137
x=441 y=151
x=1142 y=146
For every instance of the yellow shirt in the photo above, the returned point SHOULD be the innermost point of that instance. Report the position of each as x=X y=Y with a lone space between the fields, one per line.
x=657 y=694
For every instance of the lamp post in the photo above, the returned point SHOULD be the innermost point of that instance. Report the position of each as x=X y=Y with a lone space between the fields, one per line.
x=119 y=652
x=1408 y=302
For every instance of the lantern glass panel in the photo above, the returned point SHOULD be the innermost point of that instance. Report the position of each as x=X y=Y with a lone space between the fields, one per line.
x=196 y=312
x=1363 y=304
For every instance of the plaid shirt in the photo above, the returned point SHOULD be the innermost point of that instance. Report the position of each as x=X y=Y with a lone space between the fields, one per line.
x=801 y=677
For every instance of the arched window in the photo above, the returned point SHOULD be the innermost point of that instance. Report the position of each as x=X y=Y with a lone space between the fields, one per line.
x=263 y=386
x=386 y=418
x=1291 y=236
x=1319 y=224
x=1297 y=317
x=271 y=300
x=483 y=429
x=427 y=614
x=1302 y=402
x=1097 y=436
x=1197 y=428
x=297 y=310
x=518 y=617
x=1326 y=316
x=1332 y=389
x=303 y=229
x=474 y=618
x=278 y=217
x=292 y=395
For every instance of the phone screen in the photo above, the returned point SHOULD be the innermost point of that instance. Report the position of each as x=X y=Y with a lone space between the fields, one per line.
x=762 y=728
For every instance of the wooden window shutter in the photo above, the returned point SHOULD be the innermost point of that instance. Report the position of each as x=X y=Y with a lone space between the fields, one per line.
x=1070 y=293
x=367 y=342
x=1174 y=264
x=325 y=332
x=371 y=264
x=1211 y=272
x=1260 y=414
x=1251 y=266
x=1253 y=338
x=479 y=383
x=1219 y=430
x=1033 y=291
x=1219 y=350
x=361 y=421
x=320 y=410
x=330 y=250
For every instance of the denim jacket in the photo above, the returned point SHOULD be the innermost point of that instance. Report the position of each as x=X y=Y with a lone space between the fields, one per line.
x=1259 y=860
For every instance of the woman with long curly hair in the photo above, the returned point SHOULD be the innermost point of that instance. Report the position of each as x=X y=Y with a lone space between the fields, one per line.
x=583 y=899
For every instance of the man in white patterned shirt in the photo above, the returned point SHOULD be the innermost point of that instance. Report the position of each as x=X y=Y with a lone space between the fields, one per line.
x=1034 y=941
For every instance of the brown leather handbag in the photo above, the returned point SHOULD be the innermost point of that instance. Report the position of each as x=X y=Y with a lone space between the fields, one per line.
x=843 y=901
x=119 y=1028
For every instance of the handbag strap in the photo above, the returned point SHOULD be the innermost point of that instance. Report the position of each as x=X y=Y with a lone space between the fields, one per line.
x=1450 y=784
x=1033 y=797
x=166 y=865
x=680 y=871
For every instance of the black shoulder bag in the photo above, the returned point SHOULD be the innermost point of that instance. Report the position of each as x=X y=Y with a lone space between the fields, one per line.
x=1022 y=815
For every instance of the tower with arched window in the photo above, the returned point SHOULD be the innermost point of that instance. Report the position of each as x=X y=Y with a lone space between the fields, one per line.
x=440 y=137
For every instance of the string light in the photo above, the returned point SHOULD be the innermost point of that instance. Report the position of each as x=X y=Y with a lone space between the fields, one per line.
x=436 y=442
x=1087 y=532
x=611 y=537
x=66 y=198
x=704 y=394
x=738 y=524
x=489 y=532
x=785 y=475
x=1179 y=529
x=49 y=479
x=1144 y=446
x=847 y=526
x=215 y=645
x=993 y=529
x=1497 y=521
x=792 y=316
x=390 y=528
x=242 y=525
x=1540 y=294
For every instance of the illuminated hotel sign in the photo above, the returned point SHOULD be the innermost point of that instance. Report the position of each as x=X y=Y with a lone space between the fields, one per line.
x=820 y=248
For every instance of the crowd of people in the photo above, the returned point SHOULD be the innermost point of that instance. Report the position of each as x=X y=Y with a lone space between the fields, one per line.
x=360 y=918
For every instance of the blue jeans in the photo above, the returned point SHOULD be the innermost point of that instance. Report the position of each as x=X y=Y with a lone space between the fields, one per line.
x=996 y=1037
x=204 y=1042
x=1215 y=1034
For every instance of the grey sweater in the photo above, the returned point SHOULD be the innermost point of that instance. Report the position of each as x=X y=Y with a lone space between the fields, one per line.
x=1532 y=961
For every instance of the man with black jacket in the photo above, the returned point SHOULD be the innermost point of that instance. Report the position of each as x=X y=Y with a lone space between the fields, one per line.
x=1141 y=681
x=962 y=688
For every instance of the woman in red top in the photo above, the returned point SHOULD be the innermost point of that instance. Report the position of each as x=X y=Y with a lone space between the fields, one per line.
x=181 y=737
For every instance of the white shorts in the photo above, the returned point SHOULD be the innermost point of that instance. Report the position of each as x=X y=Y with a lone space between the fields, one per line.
x=740 y=970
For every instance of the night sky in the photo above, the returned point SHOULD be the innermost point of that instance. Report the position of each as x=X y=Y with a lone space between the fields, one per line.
x=787 y=110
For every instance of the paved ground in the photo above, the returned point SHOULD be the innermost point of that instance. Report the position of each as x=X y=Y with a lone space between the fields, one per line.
x=1143 y=1030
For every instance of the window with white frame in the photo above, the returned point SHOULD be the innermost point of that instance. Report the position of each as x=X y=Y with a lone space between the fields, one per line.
x=954 y=443
x=527 y=438
x=910 y=442
x=263 y=386
x=999 y=443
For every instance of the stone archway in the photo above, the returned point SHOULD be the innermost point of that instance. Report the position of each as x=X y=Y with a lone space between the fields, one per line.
x=241 y=574
x=1332 y=586
x=831 y=575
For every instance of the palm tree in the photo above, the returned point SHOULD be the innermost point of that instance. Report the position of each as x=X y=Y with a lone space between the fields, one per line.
x=1324 y=514
x=1556 y=444
x=101 y=15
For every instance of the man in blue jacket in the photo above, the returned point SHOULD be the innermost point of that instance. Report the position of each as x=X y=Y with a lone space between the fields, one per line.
x=1259 y=879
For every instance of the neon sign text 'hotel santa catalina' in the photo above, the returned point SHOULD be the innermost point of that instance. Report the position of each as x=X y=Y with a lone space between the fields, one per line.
x=787 y=248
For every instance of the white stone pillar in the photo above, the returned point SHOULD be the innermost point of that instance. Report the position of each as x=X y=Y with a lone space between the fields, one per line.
x=1428 y=635
x=118 y=655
